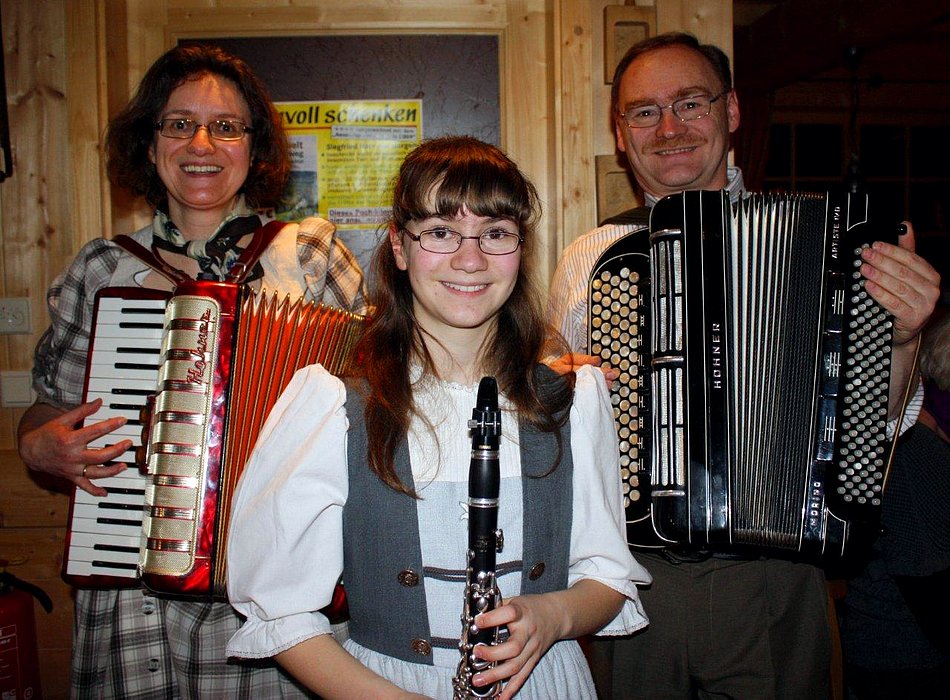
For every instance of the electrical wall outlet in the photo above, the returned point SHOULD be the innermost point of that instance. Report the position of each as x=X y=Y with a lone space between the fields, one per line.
x=15 y=315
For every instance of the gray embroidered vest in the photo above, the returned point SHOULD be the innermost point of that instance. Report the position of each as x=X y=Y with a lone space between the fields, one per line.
x=382 y=555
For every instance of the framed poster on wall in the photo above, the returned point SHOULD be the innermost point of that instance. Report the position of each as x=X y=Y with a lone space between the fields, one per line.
x=425 y=85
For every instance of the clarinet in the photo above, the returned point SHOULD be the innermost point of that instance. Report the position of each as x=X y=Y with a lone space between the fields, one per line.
x=484 y=540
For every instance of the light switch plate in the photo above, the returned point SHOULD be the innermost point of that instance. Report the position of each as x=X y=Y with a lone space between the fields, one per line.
x=15 y=315
x=16 y=389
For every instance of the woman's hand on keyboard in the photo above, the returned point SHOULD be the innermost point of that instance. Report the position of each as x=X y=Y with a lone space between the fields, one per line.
x=56 y=442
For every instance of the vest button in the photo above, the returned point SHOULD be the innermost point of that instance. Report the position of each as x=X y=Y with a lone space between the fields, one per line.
x=537 y=571
x=421 y=647
x=408 y=578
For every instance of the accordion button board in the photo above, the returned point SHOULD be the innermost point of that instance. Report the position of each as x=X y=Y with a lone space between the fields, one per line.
x=620 y=335
x=751 y=407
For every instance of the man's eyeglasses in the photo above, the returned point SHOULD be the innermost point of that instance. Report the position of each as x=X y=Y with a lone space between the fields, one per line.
x=445 y=240
x=219 y=129
x=686 y=109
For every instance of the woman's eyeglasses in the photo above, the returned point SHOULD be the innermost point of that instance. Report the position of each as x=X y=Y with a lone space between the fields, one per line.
x=219 y=129
x=445 y=240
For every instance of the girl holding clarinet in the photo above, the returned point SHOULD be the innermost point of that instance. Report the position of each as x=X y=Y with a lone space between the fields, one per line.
x=370 y=477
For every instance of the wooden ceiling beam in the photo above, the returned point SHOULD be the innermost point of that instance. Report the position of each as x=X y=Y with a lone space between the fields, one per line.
x=800 y=38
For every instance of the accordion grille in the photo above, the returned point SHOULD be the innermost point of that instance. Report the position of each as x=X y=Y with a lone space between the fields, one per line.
x=214 y=396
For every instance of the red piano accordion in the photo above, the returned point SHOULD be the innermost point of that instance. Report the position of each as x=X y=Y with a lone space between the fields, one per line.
x=225 y=356
x=213 y=397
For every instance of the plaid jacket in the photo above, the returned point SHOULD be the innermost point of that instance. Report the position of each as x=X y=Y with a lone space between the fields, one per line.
x=129 y=644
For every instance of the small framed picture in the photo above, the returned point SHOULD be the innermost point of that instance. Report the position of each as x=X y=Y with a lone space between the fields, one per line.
x=624 y=26
x=616 y=188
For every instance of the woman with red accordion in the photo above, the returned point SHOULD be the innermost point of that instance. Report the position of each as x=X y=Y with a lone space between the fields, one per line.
x=203 y=144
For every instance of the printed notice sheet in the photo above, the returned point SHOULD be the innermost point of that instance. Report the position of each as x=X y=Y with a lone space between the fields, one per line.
x=345 y=155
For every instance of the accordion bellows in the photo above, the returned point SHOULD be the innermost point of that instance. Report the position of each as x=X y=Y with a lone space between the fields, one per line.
x=752 y=403
x=226 y=357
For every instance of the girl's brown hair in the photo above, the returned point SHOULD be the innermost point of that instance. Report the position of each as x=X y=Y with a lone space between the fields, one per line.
x=440 y=178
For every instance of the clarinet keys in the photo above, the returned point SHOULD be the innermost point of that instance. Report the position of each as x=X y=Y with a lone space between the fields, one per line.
x=485 y=539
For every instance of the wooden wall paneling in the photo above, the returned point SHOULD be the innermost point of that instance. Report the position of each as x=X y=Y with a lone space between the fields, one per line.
x=113 y=34
x=134 y=37
x=32 y=200
x=624 y=25
x=709 y=20
x=85 y=105
x=601 y=123
x=48 y=207
x=7 y=197
x=248 y=18
x=616 y=187
x=573 y=75
x=528 y=123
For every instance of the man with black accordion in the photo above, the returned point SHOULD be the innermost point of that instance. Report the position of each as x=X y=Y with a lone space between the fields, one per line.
x=725 y=624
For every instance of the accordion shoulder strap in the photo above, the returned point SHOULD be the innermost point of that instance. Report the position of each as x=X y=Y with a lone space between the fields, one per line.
x=241 y=268
x=244 y=265
x=136 y=249
x=638 y=215
x=913 y=379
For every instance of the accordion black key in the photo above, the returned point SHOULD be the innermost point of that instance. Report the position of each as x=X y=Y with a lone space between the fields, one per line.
x=752 y=402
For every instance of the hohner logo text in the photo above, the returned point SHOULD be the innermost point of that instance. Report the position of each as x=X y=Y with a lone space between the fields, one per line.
x=715 y=357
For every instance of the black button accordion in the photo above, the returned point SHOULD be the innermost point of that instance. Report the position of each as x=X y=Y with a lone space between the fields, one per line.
x=752 y=402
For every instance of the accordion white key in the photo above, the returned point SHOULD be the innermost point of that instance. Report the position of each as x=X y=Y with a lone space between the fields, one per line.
x=104 y=534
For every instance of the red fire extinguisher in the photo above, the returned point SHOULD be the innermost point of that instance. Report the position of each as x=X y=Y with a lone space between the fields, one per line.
x=19 y=662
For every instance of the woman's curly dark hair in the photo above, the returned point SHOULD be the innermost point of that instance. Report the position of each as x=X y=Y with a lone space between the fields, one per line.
x=132 y=131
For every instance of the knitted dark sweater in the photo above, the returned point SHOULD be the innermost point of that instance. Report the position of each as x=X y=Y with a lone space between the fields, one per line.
x=909 y=566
